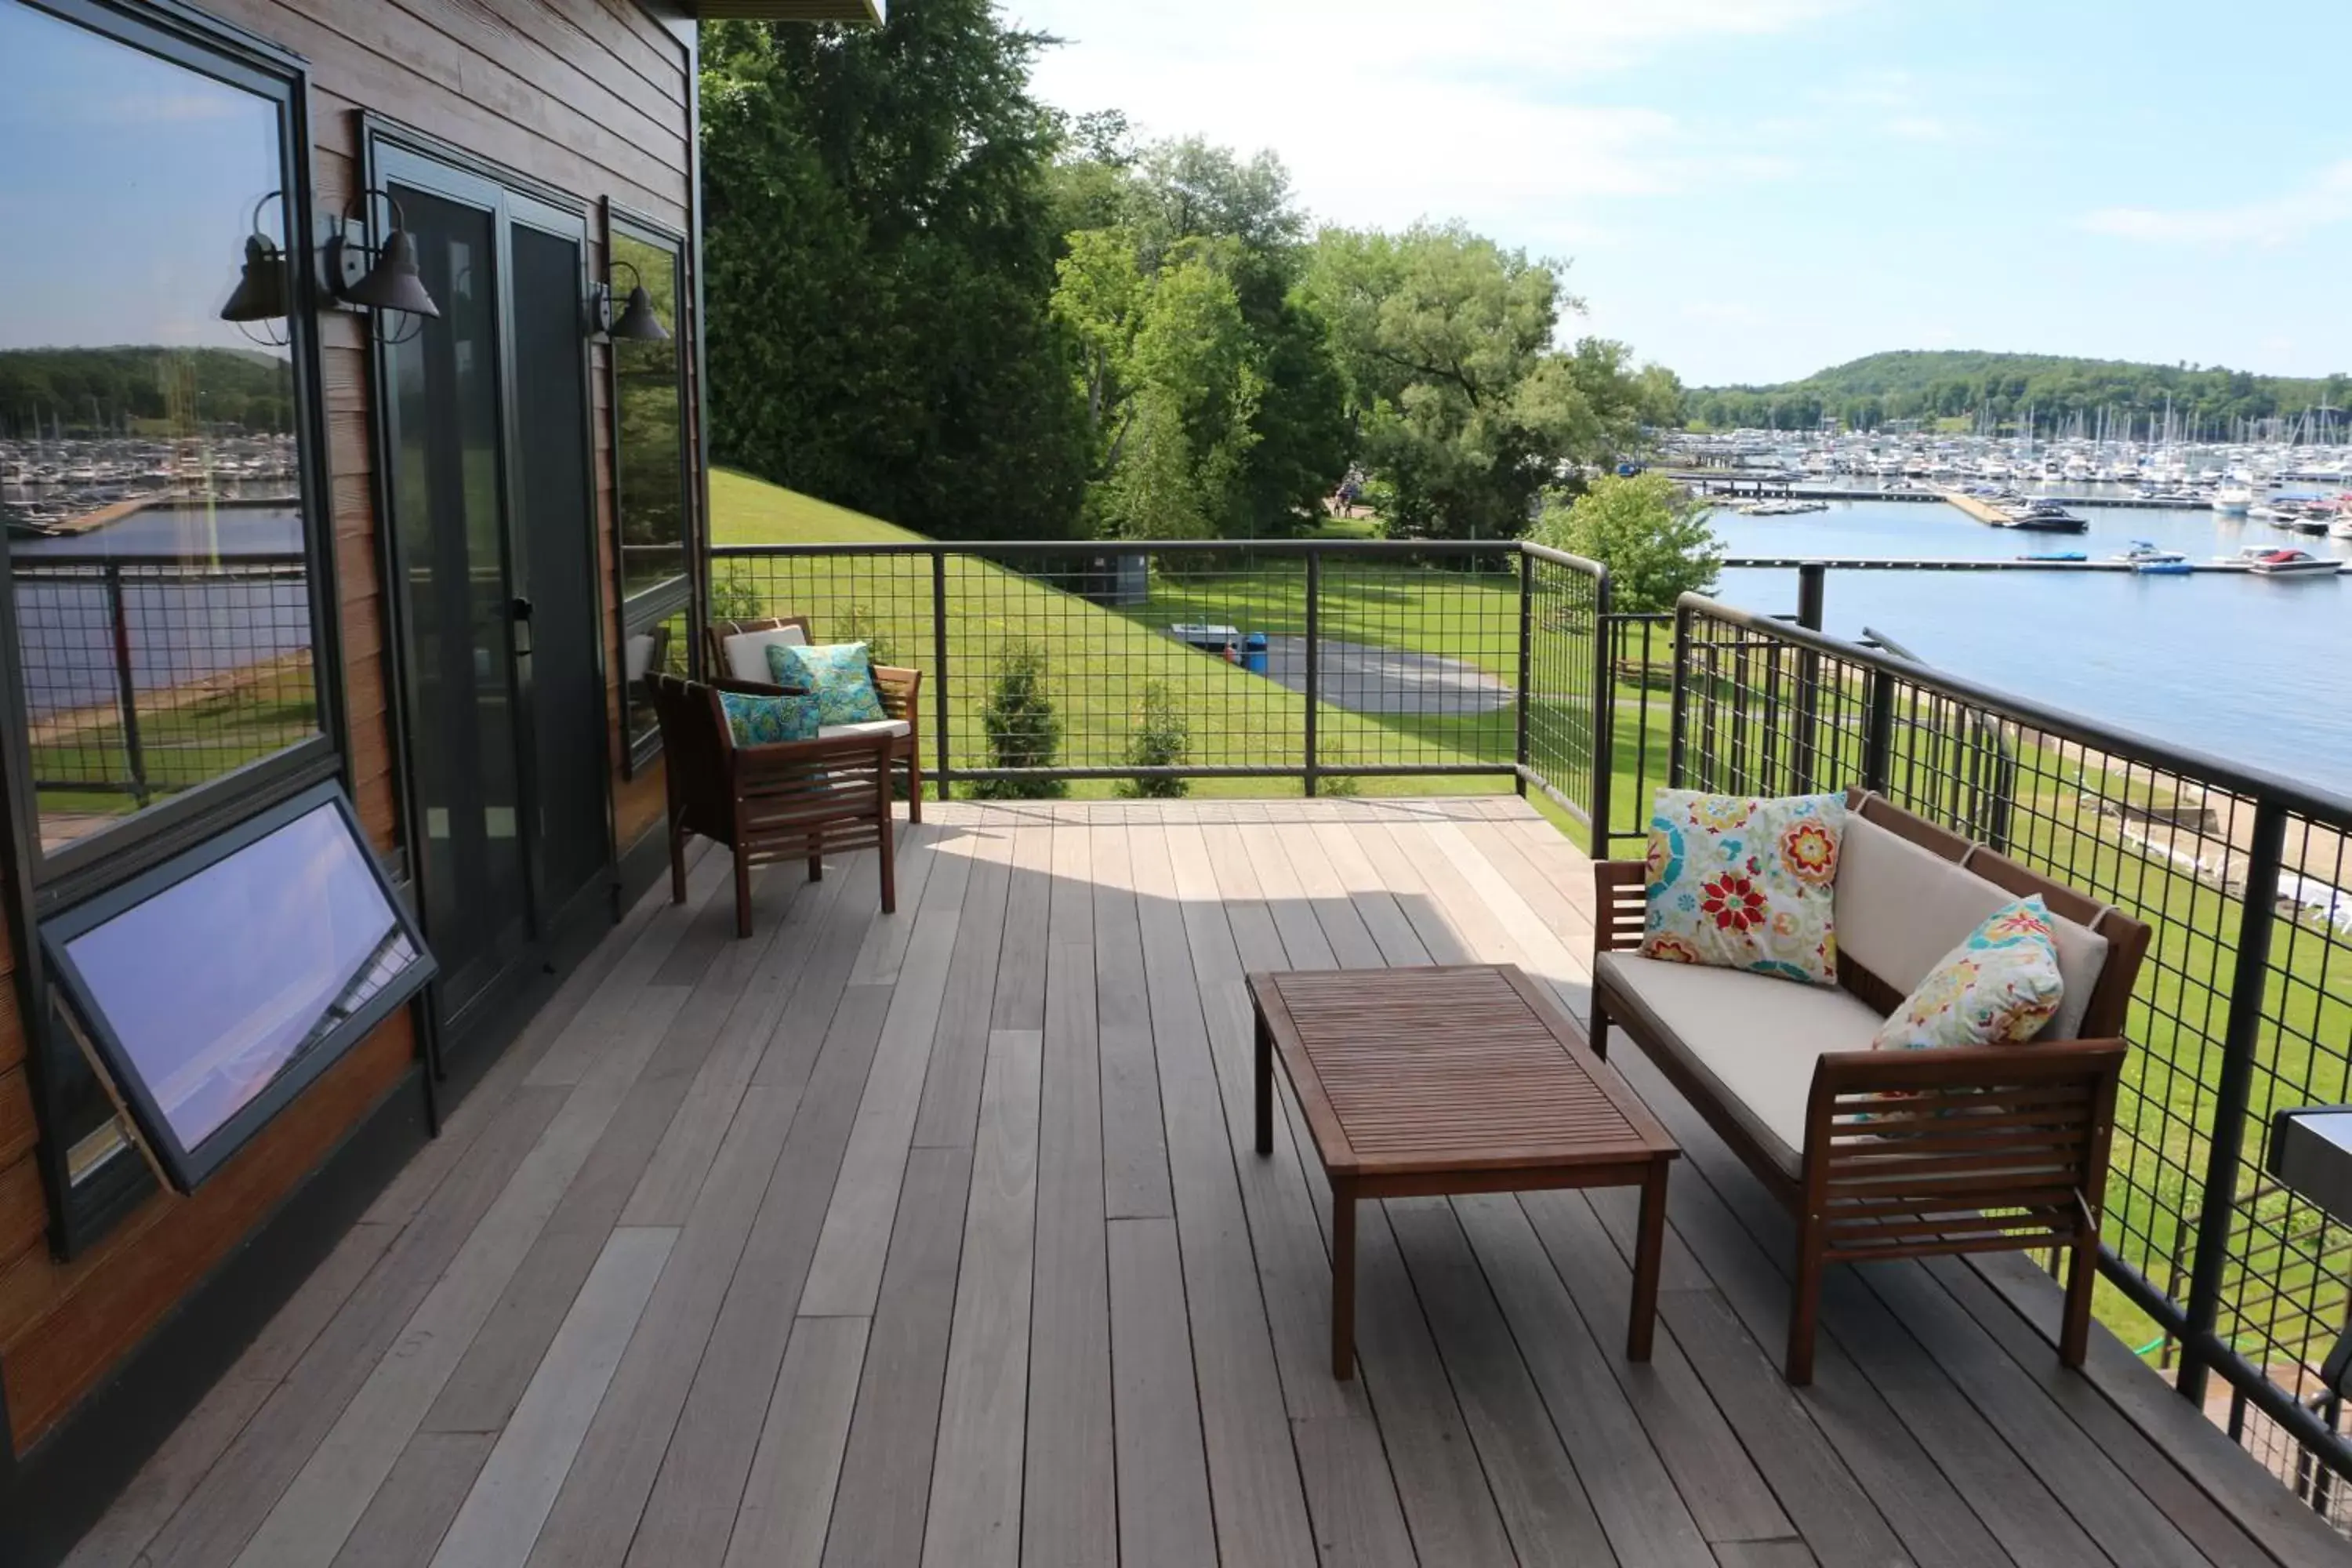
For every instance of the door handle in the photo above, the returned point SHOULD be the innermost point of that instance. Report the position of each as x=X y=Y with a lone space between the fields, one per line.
x=519 y=608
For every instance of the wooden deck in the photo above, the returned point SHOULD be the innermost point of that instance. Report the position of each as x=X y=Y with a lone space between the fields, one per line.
x=938 y=1239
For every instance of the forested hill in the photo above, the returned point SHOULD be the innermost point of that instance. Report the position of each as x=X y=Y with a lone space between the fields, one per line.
x=1972 y=383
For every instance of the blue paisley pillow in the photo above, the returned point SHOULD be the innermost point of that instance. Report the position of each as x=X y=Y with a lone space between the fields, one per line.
x=1999 y=986
x=839 y=675
x=1742 y=883
x=765 y=721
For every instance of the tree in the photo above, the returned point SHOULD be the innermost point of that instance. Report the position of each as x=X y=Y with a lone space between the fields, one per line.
x=880 y=235
x=1652 y=535
x=1022 y=729
x=1466 y=411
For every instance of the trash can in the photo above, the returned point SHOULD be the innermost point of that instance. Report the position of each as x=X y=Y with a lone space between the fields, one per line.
x=1254 y=652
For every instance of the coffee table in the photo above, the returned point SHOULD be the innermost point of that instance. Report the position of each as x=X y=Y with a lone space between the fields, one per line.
x=1457 y=1078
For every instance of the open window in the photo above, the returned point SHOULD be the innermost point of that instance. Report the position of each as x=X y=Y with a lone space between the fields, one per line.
x=653 y=460
x=208 y=992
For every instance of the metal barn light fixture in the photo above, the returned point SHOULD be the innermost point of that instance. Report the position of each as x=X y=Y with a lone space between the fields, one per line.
x=263 y=287
x=381 y=280
x=638 y=323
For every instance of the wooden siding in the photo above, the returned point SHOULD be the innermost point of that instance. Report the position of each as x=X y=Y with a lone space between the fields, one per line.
x=593 y=98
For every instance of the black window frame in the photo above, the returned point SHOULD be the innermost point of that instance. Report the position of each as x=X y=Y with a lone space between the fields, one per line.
x=646 y=610
x=186 y=37
x=188 y=1167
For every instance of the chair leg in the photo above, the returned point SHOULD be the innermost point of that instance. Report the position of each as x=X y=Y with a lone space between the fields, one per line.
x=889 y=862
x=676 y=864
x=2081 y=1273
x=1600 y=1029
x=915 y=784
x=1805 y=1304
x=743 y=893
x=815 y=862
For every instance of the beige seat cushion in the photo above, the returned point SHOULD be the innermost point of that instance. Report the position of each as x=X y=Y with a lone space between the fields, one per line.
x=747 y=652
x=1750 y=1038
x=894 y=728
x=1900 y=908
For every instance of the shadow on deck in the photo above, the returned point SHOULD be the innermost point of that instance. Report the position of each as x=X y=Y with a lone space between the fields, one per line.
x=937 y=1239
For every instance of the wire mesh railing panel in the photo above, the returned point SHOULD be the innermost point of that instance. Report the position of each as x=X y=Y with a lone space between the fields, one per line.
x=2221 y=1040
x=143 y=678
x=1568 y=686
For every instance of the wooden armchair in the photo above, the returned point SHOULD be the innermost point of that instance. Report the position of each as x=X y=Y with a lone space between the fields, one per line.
x=899 y=689
x=1892 y=1154
x=768 y=804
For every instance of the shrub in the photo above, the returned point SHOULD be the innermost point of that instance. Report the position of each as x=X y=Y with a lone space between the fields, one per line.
x=1023 y=730
x=1652 y=537
x=1160 y=739
x=862 y=625
x=733 y=597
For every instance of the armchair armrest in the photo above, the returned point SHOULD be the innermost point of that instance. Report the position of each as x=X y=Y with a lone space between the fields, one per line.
x=900 y=691
x=1620 y=906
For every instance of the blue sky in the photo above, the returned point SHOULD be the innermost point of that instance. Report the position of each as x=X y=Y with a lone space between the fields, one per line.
x=126 y=191
x=1749 y=190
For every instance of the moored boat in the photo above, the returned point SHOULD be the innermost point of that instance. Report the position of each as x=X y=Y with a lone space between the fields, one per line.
x=2294 y=564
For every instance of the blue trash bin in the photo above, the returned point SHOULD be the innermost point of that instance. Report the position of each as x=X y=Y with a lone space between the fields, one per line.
x=1254 y=652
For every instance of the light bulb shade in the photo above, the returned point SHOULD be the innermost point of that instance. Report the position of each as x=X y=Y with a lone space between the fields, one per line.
x=638 y=323
x=261 y=290
x=394 y=283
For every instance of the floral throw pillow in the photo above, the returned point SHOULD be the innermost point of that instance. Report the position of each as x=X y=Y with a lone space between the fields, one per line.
x=2002 y=985
x=1737 y=882
x=766 y=721
x=839 y=675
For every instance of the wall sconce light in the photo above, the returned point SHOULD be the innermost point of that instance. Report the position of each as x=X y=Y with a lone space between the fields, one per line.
x=637 y=323
x=265 y=286
x=381 y=280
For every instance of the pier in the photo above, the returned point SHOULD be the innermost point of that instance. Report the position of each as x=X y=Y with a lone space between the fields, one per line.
x=1912 y=563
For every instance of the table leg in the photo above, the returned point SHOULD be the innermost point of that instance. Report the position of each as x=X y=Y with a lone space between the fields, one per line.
x=1647 y=1253
x=1263 y=1076
x=1343 y=1279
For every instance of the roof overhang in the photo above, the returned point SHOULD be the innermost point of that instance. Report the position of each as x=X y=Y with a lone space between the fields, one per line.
x=788 y=10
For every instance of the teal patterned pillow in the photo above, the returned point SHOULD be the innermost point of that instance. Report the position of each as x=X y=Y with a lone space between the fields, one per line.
x=765 y=721
x=839 y=675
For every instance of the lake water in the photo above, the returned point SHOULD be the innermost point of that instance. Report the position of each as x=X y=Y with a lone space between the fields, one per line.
x=2247 y=668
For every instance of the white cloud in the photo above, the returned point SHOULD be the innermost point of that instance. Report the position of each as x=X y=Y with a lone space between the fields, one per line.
x=2323 y=200
x=1386 y=111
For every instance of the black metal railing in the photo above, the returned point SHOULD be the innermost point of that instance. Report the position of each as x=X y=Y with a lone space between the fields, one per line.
x=2243 y=1005
x=1512 y=662
x=145 y=676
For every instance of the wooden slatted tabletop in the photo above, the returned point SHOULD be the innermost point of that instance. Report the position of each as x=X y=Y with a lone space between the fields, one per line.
x=1466 y=1079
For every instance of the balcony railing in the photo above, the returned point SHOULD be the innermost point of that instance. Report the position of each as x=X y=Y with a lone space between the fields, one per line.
x=1338 y=664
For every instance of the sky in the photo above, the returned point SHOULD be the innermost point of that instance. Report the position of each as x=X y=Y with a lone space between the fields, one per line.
x=1752 y=190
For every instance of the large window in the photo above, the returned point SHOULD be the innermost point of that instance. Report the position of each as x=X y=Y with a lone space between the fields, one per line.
x=152 y=471
x=653 y=458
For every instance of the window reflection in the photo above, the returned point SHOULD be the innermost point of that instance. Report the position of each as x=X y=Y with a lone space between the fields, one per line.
x=149 y=475
x=657 y=649
x=649 y=400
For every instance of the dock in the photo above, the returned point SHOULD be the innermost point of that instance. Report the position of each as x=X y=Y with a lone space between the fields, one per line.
x=1912 y=563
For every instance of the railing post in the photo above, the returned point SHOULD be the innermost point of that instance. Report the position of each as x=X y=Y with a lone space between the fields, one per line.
x=1605 y=714
x=1526 y=659
x=942 y=773
x=126 y=687
x=1313 y=655
x=1812 y=585
x=2242 y=1036
x=1678 y=725
x=1878 y=732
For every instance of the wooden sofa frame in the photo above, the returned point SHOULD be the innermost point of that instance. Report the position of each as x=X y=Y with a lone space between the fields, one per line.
x=1923 y=1153
x=899 y=689
x=794 y=800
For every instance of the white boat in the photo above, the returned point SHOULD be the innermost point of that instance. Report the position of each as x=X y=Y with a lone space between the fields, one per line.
x=2143 y=551
x=2233 y=501
x=2341 y=528
x=2294 y=564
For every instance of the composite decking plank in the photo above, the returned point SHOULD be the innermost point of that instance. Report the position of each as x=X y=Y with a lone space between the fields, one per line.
x=603 y=1493
x=805 y=1022
x=1027 y=908
x=847 y=1272
x=310 y=1522
x=1631 y=1491
x=1135 y=1140
x=1302 y=890
x=588 y=1036
x=878 y=1507
x=1164 y=1515
x=1375 y=903
x=690 y=1515
x=1261 y=1505
x=1069 y=1497
x=410 y=1514
x=1535 y=1485
x=1765 y=1555
x=951 y=1102
x=974 y=1509
x=886 y=936
x=502 y=1516
x=796 y=1470
x=1343 y=1466
x=1727 y=1495
x=1413 y=898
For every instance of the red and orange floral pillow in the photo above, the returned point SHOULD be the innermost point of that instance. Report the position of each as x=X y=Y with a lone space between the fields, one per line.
x=1738 y=882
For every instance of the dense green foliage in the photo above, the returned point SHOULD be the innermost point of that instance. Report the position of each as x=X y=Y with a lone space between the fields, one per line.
x=880 y=235
x=92 y=391
x=1999 y=389
x=1463 y=407
x=1650 y=534
x=1022 y=729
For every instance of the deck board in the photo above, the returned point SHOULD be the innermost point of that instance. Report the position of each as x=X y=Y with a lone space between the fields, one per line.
x=940 y=1236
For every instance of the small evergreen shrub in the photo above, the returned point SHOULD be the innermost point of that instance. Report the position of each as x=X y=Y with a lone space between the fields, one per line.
x=1162 y=739
x=1022 y=729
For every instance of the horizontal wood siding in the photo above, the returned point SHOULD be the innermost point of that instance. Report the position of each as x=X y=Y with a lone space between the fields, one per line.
x=593 y=98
